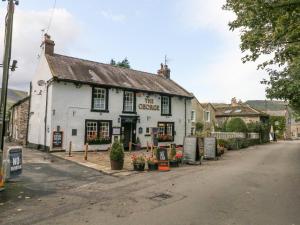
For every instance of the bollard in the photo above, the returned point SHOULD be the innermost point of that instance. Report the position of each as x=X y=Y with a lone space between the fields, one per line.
x=70 y=149
x=86 y=152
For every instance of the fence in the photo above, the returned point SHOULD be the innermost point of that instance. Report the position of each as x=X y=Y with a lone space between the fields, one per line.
x=231 y=135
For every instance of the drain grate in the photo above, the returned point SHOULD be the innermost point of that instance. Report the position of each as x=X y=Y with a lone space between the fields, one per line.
x=161 y=197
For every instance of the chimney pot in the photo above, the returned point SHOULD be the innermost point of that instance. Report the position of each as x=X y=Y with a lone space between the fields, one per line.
x=164 y=71
x=48 y=44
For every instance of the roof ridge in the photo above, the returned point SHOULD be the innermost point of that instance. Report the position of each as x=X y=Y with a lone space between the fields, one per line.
x=107 y=64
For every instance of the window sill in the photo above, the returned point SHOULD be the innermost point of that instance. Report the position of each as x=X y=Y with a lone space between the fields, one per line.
x=166 y=114
x=128 y=112
x=98 y=110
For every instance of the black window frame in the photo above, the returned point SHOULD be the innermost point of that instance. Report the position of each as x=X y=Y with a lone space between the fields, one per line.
x=170 y=105
x=134 y=102
x=165 y=127
x=106 y=100
x=98 y=126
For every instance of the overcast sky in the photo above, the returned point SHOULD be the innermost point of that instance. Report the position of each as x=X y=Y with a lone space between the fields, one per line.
x=204 y=56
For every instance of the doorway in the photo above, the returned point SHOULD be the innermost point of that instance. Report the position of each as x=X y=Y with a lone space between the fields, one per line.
x=128 y=125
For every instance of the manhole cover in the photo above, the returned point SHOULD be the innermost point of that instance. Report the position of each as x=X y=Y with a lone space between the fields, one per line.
x=161 y=197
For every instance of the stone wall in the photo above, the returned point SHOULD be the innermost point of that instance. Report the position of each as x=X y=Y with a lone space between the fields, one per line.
x=19 y=121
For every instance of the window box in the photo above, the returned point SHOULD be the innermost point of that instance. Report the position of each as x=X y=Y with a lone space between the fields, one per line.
x=166 y=132
x=98 y=132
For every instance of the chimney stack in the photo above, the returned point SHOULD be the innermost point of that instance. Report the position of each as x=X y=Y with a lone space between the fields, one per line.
x=48 y=44
x=164 y=71
x=234 y=102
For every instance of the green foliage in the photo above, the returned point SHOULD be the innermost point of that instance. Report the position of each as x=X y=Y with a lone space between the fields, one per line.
x=272 y=28
x=279 y=125
x=124 y=63
x=117 y=152
x=238 y=143
x=254 y=127
x=199 y=127
x=236 y=125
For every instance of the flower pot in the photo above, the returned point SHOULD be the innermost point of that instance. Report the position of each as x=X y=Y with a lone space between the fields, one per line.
x=152 y=166
x=116 y=165
x=139 y=166
x=138 y=147
x=174 y=163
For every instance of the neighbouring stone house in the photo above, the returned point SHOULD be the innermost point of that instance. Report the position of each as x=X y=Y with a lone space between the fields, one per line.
x=236 y=109
x=203 y=113
x=81 y=101
x=18 y=125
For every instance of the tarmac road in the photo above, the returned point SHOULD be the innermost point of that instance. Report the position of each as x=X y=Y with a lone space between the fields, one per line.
x=256 y=186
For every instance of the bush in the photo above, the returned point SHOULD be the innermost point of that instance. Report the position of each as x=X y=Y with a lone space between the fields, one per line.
x=117 y=152
x=199 y=127
x=238 y=143
x=236 y=125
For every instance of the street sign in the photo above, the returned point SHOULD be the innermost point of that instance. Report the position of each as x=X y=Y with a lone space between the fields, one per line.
x=15 y=157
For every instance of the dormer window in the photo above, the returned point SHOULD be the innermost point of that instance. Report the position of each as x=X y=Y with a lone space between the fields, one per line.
x=99 y=99
x=166 y=106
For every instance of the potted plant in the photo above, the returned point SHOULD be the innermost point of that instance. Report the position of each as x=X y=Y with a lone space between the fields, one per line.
x=138 y=145
x=179 y=157
x=152 y=164
x=117 y=156
x=138 y=162
x=172 y=157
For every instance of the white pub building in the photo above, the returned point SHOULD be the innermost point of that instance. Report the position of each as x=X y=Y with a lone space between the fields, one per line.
x=81 y=101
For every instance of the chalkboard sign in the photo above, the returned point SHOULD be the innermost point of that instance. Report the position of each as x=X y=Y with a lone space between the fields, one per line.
x=162 y=154
x=189 y=149
x=57 y=139
x=163 y=162
x=15 y=161
x=210 y=148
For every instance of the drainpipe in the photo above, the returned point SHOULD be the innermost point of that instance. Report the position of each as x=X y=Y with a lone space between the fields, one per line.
x=46 y=113
x=184 y=116
x=28 y=115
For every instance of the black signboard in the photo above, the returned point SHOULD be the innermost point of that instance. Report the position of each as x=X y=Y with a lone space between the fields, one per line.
x=210 y=148
x=15 y=161
x=57 y=139
x=162 y=154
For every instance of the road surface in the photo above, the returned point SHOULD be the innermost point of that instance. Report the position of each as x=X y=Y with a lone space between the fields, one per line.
x=256 y=186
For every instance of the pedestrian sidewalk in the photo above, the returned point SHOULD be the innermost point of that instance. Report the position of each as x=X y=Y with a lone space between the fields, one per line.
x=100 y=161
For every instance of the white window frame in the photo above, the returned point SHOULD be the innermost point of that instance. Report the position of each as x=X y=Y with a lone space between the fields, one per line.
x=165 y=105
x=193 y=116
x=208 y=117
x=99 y=98
x=128 y=101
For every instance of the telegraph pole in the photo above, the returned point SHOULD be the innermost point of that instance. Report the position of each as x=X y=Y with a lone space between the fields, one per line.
x=6 y=66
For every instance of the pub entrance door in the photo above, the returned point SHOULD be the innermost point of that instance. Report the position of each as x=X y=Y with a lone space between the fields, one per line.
x=128 y=125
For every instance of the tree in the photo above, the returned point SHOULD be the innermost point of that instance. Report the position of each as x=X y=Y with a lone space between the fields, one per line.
x=124 y=63
x=199 y=127
x=112 y=62
x=271 y=27
x=236 y=125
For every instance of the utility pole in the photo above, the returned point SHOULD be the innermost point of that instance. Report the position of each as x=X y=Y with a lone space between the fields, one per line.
x=6 y=66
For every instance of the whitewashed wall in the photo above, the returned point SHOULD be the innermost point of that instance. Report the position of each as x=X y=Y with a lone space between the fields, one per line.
x=36 y=128
x=72 y=106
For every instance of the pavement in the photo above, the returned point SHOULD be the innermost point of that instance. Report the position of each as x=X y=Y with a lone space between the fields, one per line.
x=255 y=186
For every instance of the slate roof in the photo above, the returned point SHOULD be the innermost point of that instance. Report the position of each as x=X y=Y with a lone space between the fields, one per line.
x=240 y=110
x=68 y=68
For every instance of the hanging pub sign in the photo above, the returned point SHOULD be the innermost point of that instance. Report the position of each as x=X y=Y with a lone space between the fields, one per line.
x=57 y=139
x=162 y=158
x=15 y=158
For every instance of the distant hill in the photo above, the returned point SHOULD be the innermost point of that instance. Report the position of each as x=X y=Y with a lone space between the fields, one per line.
x=267 y=105
x=13 y=96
